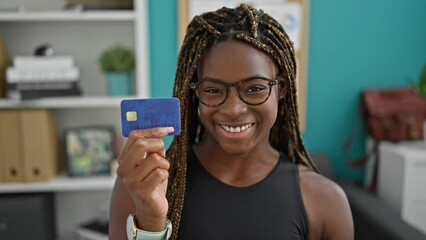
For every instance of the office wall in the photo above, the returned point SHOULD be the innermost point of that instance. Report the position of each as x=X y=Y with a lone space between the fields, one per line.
x=353 y=45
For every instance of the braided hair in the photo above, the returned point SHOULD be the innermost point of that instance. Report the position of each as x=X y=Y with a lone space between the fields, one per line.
x=258 y=29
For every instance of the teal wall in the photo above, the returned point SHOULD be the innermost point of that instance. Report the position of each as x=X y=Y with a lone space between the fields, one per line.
x=163 y=45
x=353 y=45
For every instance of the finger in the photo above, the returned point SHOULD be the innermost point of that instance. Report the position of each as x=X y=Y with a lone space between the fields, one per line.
x=140 y=173
x=137 y=153
x=146 y=133
x=155 y=179
x=155 y=132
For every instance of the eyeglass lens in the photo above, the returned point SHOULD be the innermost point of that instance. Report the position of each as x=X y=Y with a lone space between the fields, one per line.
x=252 y=91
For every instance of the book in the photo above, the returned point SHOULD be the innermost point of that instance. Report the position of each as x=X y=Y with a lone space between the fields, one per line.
x=41 y=61
x=28 y=93
x=42 y=86
x=54 y=74
x=100 y=4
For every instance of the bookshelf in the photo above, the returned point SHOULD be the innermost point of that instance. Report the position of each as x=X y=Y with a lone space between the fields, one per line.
x=83 y=35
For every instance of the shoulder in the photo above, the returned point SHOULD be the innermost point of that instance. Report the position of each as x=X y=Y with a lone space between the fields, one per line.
x=319 y=186
x=326 y=205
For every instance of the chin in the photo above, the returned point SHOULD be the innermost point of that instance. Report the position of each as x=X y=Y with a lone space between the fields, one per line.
x=236 y=149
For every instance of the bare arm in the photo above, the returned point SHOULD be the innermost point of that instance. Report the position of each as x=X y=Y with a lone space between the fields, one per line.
x=327 y=207
x=339 y=224
x=141 y=184
x=121 y=206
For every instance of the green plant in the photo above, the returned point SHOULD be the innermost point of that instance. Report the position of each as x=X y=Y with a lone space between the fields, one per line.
x=420 y=86
x=117 y=59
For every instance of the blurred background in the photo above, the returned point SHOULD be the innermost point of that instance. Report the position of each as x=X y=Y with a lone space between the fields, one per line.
x=348 y=47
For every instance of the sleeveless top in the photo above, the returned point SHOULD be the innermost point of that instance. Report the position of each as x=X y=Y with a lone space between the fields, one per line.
x=270 y=209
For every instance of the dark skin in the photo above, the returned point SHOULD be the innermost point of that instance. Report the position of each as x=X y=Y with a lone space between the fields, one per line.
x=237 y=159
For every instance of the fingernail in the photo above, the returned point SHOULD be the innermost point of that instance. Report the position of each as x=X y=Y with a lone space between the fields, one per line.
x=167 y=130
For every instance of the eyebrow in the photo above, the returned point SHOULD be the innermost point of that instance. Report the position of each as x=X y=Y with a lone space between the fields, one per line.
x=247 y=78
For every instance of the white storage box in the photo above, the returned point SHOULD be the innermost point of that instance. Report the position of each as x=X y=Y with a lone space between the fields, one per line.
x=402 y=180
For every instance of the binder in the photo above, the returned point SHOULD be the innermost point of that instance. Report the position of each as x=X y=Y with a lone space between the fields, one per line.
x=39 y=145
x=10 y=147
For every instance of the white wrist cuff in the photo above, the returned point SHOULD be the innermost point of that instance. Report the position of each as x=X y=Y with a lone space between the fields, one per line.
x=133 y=233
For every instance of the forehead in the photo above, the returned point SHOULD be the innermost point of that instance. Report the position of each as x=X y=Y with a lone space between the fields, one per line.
x=234 y=60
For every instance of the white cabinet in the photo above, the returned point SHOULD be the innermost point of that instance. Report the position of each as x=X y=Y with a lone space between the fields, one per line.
x=82 y=35
x=76 y=199
x=402 y=180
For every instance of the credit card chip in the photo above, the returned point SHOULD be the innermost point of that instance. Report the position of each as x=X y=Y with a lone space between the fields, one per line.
x=131 y=116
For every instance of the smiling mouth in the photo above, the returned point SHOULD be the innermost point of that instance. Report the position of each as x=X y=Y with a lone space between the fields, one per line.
x=237 y=129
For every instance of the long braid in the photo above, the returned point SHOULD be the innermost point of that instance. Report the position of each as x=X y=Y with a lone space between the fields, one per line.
x=264 y=33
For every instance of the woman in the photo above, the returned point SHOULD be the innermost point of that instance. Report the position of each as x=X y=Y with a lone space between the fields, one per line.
x=239 y=169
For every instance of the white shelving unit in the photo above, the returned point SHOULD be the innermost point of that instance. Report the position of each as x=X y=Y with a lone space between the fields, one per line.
x=36 y=16
x=61 y=184
x=64 y=102
x=83 y=35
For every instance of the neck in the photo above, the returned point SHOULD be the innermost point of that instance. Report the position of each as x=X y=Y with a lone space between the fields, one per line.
x=240 y=168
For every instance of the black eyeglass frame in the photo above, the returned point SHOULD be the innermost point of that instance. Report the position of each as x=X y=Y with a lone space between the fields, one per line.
x=271 y=83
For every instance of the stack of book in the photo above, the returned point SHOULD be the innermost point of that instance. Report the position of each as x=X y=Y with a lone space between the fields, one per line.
x=34 y=77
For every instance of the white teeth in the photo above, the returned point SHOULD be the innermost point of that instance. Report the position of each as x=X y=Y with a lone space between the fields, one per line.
x=236 y=129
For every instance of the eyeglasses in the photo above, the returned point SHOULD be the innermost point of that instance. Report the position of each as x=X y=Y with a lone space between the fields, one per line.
x=252 y=91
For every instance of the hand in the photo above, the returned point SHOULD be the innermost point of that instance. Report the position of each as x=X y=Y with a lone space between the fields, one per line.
x=144 y=172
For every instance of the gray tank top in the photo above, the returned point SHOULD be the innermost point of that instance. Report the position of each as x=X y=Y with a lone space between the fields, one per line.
x=270 y=209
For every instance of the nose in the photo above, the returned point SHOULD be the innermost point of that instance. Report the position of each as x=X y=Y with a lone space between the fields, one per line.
x=233 y=105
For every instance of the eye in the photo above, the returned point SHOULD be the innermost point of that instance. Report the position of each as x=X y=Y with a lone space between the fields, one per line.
x=255 y=88
x=211 y=90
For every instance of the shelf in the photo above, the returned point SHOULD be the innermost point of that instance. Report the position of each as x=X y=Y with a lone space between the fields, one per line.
x=65 y=102
x=61 y=184
x=123 y=15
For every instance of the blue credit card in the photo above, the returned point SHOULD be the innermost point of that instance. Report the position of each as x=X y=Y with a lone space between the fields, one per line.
x=150 y=113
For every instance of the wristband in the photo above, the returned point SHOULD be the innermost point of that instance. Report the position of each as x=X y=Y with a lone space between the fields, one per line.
x=133 y=233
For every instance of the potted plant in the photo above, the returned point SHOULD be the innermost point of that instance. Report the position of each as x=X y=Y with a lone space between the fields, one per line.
x=118 y=62
x=420 y=86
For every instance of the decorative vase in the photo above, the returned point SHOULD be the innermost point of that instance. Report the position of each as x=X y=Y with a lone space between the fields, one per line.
x=119 y=83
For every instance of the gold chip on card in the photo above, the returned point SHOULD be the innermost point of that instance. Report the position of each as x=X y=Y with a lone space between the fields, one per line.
x=131 y=116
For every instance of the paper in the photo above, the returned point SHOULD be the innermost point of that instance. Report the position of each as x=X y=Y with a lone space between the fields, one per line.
x=198 y=7
x=288 y=14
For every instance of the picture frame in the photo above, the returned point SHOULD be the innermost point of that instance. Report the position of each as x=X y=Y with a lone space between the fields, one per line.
x=89 y=150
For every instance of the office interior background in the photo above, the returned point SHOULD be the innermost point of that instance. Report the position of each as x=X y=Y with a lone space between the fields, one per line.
x=353 y=46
